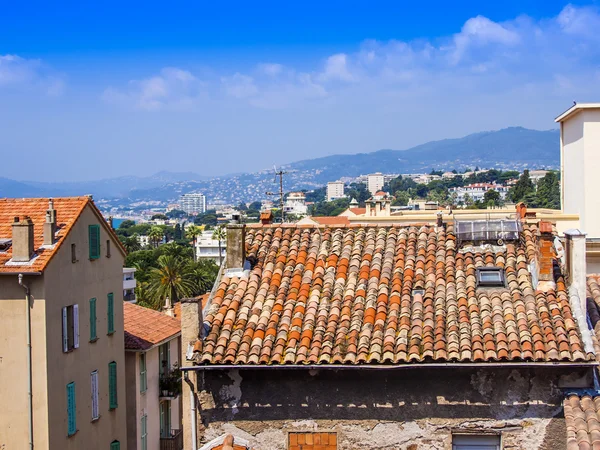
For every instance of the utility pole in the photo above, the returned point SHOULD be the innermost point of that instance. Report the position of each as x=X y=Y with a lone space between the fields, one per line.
x=279 y=173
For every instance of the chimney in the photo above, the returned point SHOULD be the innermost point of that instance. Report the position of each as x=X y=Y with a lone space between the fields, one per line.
x=168 y=308
x=110 y=222
x=266 y=217
x=50 y=224
x=236 y=246
x=22 y=240
x=521 y=210
x=440 y=219
x=575 y=263
x=547 y=255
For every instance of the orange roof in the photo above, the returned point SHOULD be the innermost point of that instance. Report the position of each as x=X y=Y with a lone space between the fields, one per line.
x=358 y=211
x=145 y=327
x=326 y=220
x=68 y=210
x=387 y=295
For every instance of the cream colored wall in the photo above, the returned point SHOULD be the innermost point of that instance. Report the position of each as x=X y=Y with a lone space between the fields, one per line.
x=175 y=404
x=13 y=364
x=591 y=167
x=67 y=283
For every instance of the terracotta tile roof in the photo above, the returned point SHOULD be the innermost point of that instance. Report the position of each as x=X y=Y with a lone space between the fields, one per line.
x=145 y=327
x=68 y=210
x=350 y=295
x=582 y=416
x=593 y=302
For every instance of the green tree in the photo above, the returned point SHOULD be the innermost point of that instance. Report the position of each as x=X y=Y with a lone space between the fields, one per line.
x=220 y=234
x=155 y=236
x=402 y=198
x=255 y=206
x=523 y=187
x=173 y=277
x=159 y=217
x=176 y=214
x=178 y=235
x=492 y=198
x=548 y=191
x=192 y=232
x=126 y=224
x=130 y=243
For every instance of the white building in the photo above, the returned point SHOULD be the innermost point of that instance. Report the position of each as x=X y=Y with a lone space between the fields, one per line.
x=208 y=248
x=476 y=191
x=295 y=204
x=193 y=203
x=129 y=284
x=335 y=190
x=375 y=182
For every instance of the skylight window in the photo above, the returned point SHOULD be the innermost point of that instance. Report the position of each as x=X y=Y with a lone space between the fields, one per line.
x=490 y=277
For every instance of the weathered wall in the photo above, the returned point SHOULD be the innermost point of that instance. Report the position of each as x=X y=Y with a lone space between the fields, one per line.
x=392 y=409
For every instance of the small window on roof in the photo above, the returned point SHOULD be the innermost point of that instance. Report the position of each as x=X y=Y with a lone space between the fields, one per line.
x=490 y=277
x=475 y=442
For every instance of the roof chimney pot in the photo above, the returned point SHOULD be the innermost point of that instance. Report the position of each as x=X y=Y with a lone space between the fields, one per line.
x=50 y=224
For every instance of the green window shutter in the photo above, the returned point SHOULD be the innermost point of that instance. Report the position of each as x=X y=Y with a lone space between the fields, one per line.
x=94 y=237
x=144 y=432
x=111 y=313
x=115 y=445
x=143 y=375
x=71 y=409
x=93 y=334
x=112 y=385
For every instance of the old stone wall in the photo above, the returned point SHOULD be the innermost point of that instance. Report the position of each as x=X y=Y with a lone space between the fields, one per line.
x=403 y=409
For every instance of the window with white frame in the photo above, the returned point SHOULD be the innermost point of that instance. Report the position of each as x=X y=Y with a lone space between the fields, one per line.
x=475 y=442
x=70 y=327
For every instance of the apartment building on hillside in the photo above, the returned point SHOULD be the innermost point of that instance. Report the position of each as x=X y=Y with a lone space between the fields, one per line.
x=193 y=203
x=61 y=289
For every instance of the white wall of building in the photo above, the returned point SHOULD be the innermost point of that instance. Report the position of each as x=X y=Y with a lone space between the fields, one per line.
x=375 y=182
x=335 y=189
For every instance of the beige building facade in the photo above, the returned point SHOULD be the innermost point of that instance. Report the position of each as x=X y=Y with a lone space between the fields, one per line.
x=71 y=274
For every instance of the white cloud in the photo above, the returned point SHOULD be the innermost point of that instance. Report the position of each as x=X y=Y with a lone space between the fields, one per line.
x=336 y=69
x=173 y=88
x=18 y=72
x=239 y=86
x=271 y=69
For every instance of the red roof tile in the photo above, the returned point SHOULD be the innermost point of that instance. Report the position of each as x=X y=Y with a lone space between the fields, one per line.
x=68 y=210
x=385 y=295
x=145 y=327
x=582 y=416
x=327 y=220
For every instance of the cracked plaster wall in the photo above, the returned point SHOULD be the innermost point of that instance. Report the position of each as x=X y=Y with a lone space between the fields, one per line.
x=401 y=409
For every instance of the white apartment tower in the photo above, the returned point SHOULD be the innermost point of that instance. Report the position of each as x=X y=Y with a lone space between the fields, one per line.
x=193 y=203
x=335 y=189
x=375 y=182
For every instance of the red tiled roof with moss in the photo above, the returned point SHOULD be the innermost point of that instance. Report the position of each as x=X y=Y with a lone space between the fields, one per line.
x=345 y=296
x=68 y=210
x=145 y=327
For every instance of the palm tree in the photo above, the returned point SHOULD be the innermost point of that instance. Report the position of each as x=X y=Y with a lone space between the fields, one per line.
x=130 y=243
x=192 y=232
x=155 y=235
x=220 y=234
x=172 y=278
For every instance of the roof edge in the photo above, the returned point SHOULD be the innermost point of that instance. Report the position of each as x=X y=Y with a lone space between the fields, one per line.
x=576 y=108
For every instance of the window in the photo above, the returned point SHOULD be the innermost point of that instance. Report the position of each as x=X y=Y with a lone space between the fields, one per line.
x=70 y=327
x=312 y=441
x=95 y=406
x=71 y=410
x=112 y=385
x=111 y=313
x=165 y=419
x=73 y=253
x=93 y=333
x=143 y=375
x=144 y=432
x=108 y=248
x=470 y=442
x=94 y=238
x=115 y=445
x=164 y=359
x=490 y=277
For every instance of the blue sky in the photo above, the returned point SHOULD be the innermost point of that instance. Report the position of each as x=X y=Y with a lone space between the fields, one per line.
x=95 y=91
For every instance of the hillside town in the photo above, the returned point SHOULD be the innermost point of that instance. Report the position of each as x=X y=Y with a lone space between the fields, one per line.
x=317 y=319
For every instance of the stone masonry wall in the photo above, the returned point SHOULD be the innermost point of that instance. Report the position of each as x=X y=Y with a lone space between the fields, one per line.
x=403 y=409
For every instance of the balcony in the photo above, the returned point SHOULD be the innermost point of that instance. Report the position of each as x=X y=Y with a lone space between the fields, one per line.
x=173 y=442
x=129 y=297
x=129 y=284
x=170 y=384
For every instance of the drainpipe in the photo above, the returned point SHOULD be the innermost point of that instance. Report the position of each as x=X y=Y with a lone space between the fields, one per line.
x=29 y=373
x=193 y=421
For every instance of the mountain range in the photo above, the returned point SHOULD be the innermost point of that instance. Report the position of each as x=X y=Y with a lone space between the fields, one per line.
x=509 y=148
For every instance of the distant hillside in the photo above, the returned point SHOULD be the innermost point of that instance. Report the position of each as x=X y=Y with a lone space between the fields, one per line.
x=515 y=147
x=510 y=148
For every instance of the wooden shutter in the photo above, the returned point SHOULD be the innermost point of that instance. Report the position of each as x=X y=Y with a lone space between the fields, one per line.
x=71 y=409
x=75 y=326
x=95 y=406
x=94 y=238
x=93 y=334
x=65 y=330
x=112 y=385
x=111 y=313
x=115 y=445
